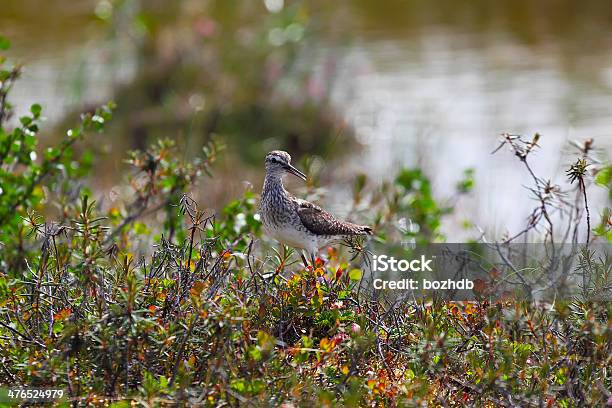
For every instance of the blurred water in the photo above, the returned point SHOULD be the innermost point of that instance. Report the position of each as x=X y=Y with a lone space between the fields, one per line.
x=66 y=79
x=442 y=102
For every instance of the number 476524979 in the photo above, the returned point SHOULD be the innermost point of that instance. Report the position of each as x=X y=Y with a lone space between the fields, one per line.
x=36 y=394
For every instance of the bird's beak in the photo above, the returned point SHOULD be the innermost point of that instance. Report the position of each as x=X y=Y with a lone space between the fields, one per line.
x=295 y=172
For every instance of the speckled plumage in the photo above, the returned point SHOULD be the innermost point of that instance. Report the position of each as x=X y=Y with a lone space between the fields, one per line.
x=293 y=221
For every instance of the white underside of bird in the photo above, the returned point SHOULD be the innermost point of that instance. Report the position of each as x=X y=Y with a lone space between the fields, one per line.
x=292 y=237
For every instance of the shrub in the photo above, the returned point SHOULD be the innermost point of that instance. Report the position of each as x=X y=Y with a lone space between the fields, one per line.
x=112 y=307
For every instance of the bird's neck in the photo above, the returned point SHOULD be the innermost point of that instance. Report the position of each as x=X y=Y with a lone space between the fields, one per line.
x=273 y=183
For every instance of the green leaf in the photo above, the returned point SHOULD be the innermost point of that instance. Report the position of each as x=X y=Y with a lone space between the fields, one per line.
x=5 y=44
x=36 y=109
x=604 y=176
x=467 y=183
x=355 y=274
x=141 y=228
x=244 y=386
x=121 y=404
x=255 y=353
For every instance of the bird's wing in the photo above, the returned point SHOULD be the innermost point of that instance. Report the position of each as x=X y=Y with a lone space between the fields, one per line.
x=320 y=222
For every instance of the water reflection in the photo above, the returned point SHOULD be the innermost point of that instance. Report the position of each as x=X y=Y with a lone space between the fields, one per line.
x=441 y=103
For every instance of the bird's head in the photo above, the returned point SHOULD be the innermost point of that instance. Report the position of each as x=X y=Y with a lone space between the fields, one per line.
x=278 y=163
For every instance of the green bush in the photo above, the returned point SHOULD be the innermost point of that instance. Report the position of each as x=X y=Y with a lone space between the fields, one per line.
x=111 y=306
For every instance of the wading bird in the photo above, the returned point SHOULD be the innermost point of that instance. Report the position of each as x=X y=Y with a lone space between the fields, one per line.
x=296 y=222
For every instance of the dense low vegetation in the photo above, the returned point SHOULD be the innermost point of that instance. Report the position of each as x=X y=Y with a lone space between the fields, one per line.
x=154 y=300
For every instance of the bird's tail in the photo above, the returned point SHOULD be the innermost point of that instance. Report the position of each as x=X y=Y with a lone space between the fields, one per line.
x=360 y=229
x=367 y=230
